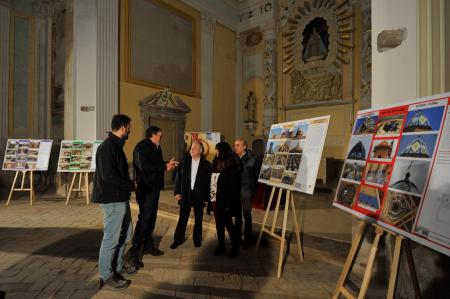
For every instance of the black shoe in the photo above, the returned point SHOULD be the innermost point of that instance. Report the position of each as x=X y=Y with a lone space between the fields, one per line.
x=128 y=271
x=219 y=250
x=234 y=252
x=135 y=262
x=153 y=251
x=174 y=245
x=197 y=244
x=114 y=283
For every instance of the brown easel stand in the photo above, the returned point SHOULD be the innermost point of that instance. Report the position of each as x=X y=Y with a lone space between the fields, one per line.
x=30 y=189
x=379 y=231
x=79 y=189
x=271 y=232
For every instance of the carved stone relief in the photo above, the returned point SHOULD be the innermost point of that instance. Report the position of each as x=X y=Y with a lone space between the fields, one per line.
x=317 y=40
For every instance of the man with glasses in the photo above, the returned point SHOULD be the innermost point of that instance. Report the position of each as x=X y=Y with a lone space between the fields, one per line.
x=149 y=170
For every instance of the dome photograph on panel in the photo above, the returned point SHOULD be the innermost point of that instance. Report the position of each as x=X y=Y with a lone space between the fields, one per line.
x=417 y=146
x=424 y=119
x=410 y=175
x=365 y=125
x=359 y=147
x=390 y=125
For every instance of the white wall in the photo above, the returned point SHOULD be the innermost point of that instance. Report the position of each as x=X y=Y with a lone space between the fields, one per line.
x=85 y=67
x=394 y=72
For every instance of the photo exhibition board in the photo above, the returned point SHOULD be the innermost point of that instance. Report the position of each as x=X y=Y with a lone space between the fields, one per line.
x=293 y=153
x=77 y=155
x=208 y=139
x=397 y=170
x=27 y=154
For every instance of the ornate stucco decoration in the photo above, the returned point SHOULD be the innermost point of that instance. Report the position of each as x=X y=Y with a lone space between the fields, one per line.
x=317 y=40
x=163 y=104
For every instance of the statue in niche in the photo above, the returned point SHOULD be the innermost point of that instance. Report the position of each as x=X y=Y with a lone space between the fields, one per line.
x=315 y=40
x=250 y=106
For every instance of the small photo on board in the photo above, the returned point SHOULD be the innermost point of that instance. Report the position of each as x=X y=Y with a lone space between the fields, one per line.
x=293 y=162
x=76 y=152
x=10 y=158
x=353 y=170
x=295 y=147
x=64 y=160
x=390 y=125
x=77 y=145
x=410 y=175
x=269 y=159
x=22 y=151
x=85 y=166
x=284 y=147
x=377 y=173
x=9 y=165
x=34 y=144
x=383 y=149
x=11 y=152
x=346 y=194
x=300 y=131
x=370 y=198
x=285 y=133
x=428 y=119
x=63 y=166
x=359 y=147
x=12 y=145
x=66 y=153
x=272 y=147
x=277 y=172
x=400 y=210
x=21 y=165
x=32 y=159
x=417 y=145
x=266 y=171
x=275 y=133
x=280 y=159
x=87 y=145
x=365 y=125
x=288 y=178
x=66 y=145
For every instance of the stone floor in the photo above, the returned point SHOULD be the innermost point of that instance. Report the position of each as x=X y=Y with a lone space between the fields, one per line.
x=50 y=250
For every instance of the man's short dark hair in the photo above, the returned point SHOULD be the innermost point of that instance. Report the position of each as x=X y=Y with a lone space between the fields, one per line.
x=152 y=130
x=118 y=121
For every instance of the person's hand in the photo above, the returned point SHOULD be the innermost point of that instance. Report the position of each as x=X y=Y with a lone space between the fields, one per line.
x=172 y=164
x=178 y=197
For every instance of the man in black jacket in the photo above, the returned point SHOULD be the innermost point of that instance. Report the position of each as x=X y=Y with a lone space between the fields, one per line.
x=249 y=177
x=149 y=170
x=112 y=189
x=192 y=190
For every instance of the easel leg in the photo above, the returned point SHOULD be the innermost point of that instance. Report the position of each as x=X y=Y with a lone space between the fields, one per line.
x=80 y=176
x=368 y=273
x=12 y=188
x=71 y=187
x=283 y=233
x=31 y=188
x=297 y=229
x=351 y=256
x=266 y=214
x=86 y=182
x=277 y=208
x=394 y=267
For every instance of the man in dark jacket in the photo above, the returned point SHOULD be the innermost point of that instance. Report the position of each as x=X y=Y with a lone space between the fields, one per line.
x=192 y=190
x=149 y=170
x=112 y=189
x=249 y=177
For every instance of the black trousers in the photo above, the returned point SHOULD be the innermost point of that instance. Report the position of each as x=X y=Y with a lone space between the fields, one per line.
x=180 y=231
x=224 y=220
x=247 y=212
x=148 y=208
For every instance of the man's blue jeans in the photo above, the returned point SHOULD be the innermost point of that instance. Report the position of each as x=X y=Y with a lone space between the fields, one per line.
x=118 y=229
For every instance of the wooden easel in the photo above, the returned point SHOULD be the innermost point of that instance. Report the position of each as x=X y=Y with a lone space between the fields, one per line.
x=379 y=231
x=79 y=189
x=271 y=232
x=30 y=189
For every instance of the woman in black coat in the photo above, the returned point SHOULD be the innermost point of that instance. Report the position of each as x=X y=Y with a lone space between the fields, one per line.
x=225 y=200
